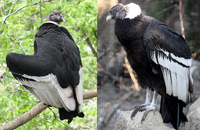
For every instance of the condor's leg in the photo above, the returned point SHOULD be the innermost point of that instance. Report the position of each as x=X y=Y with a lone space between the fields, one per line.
x=151 y=107
x=143 y=106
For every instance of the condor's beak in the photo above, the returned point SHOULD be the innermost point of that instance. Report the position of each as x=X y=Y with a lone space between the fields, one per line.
x=109 y=17
x=63 y=19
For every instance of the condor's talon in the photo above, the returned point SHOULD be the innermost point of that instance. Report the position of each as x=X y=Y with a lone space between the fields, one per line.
x=136 y=109
x=145 y=114
x=143 y=107
x=139 y=108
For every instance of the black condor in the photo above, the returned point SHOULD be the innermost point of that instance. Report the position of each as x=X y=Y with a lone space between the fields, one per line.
x=54 y=73
x=160 y=57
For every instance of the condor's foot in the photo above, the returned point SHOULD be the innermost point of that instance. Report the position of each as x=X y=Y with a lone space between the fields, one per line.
x=138 y=108
x=149 y=108
x=47 y=105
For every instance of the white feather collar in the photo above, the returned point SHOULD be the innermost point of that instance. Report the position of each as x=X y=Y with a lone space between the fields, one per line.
x=133 y=10
x=53 y=23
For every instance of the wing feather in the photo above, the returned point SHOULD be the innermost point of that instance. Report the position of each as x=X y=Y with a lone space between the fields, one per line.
x=170 y=51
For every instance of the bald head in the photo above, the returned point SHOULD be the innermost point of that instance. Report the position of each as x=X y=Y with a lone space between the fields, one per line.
x=121 y=11
x=56 y=16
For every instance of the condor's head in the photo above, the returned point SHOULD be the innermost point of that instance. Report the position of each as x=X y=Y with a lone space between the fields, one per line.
x=121 y=11
x=56 y=16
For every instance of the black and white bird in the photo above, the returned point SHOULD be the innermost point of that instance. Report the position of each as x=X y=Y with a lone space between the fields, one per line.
x=160 y=57
x=54 y=73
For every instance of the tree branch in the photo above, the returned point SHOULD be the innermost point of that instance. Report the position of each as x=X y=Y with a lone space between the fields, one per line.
x=37 y=110
x=15 y=12
x=195 y=53
x=105 y=52
x=11 y=8
x=164 y=10
x=91 y=47
x=19 y=10
x=90 y=94
x=6 y=4
x=136 y=85
x=181 y=18
x=19 y=44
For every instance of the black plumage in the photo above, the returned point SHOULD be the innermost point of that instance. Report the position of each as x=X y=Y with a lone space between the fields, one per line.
x=54 y=73
x=160 y=57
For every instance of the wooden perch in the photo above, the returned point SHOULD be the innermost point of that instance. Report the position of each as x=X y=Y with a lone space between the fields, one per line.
x=90 y=94
x=37 y=110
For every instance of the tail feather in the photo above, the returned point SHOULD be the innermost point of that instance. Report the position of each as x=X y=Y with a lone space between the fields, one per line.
x=69 y=115
x=167 y=117
x=172 y=111
x=178 y=116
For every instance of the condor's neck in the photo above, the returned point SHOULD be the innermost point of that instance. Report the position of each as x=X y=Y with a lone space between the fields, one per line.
x=130 y=30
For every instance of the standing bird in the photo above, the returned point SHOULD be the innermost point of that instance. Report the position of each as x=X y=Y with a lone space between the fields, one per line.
x=54 y=73
x=160 y=57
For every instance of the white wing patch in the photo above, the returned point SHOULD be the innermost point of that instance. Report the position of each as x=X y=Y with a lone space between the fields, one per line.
x=176 y=76
x=79 y=91
x=48 y=91
x=68 y=91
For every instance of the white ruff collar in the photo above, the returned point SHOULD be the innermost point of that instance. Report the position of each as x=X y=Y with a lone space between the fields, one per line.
x=134 y=10
x=53 y=23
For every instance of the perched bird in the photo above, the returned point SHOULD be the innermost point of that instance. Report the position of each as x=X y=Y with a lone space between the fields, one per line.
x=54 y=73
x=160 y=57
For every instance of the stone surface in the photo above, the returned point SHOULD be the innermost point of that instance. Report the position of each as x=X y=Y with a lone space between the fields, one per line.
x=193 y=116
x=152 y=122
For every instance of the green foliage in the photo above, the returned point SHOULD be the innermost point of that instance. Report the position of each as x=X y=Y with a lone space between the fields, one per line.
x=19 y=29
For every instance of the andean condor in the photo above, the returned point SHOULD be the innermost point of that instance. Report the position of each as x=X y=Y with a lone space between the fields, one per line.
x=54 y=73
x=160 y=57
